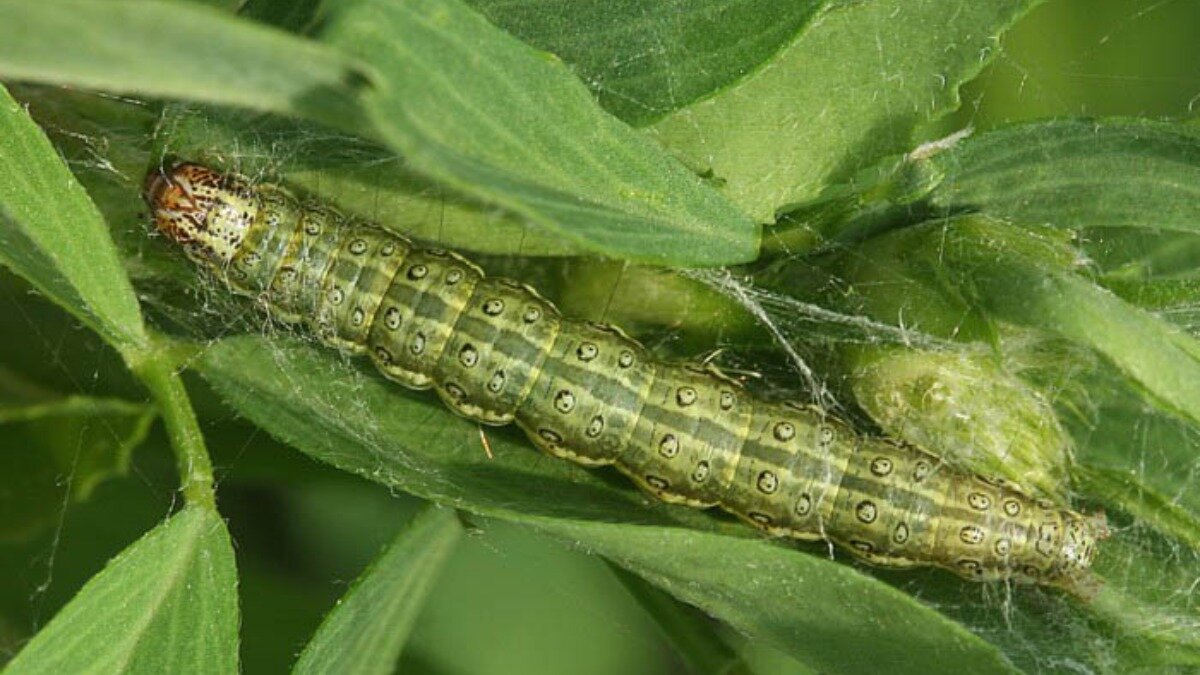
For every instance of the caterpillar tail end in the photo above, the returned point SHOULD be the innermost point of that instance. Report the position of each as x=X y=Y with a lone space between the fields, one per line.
x=1084 y=586
x=1077 y=554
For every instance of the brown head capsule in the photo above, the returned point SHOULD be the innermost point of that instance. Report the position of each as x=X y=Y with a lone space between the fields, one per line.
x=205 y=212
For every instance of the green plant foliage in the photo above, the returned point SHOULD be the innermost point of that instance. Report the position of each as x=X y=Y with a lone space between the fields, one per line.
x=178 y=50
x=1096 y=177
x=554 y=159
x=840 y=109
x=1035 y=281
x=483 y=112
x=979 y=262
x=643 y=65
x=688 y=629
x=55 y=237
x=367 y=630
x=167 y=604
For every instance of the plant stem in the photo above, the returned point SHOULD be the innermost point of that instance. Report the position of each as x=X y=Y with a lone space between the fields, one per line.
x=161 y=377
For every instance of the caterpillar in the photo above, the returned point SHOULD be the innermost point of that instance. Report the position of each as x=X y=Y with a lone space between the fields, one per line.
x=496 y=352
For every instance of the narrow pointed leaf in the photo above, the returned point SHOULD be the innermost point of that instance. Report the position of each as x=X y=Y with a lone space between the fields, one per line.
x=52 y=235
x=819 y=619
x=693 y=634
x=178 y=50
x=1078 y=173
x=1130 y=187
x=367 y=629
x=167 y=604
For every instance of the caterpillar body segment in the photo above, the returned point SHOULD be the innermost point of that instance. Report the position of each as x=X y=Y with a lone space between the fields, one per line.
x=497 y=352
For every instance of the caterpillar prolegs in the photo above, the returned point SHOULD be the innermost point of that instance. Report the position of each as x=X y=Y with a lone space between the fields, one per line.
x=496 y=352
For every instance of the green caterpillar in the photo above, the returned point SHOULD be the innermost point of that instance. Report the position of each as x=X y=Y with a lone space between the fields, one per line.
x=496 y=352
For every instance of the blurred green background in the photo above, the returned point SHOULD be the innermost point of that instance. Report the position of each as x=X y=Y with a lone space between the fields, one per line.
x=509 y=601
x=1091 y=57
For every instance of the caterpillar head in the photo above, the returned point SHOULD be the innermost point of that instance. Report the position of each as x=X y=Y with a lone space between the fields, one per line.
x=205 y=212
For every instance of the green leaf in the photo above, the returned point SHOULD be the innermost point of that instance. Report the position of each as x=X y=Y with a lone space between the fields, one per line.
x=103 y=140
x=642 y=59
x=1124 y=187
x=822 y=615
x=1171 y=299
x=1127 y=186
x=368 y=628
x=548 y=155
x=940 y=273
x=847 y=92
x=51 y=233
x=226 y=5
x=970 y=278
x=1159 y=357
x=295 y=16
x=178 y=50
x=475 y=108
x=361 y=424
x=1036 y=630
x=69 y=255
x=1134 y=259
x=1078 y=173
x=167 y=604
x=1142 y=501
x=691 y=632
x=1132 y=454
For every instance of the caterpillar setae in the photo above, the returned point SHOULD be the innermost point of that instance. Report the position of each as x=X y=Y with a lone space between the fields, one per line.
x=496 y=352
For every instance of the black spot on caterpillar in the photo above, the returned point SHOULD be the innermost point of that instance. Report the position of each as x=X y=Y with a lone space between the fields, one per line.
x=496 y=352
